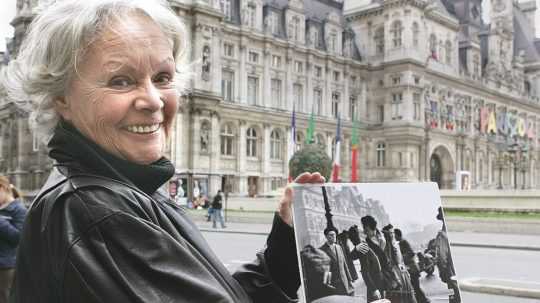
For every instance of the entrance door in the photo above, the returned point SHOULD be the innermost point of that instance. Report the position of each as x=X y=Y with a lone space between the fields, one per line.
x=252 y=186
x=435 y=170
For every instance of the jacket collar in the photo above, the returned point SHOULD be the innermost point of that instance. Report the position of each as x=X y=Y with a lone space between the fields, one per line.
x=70 y=148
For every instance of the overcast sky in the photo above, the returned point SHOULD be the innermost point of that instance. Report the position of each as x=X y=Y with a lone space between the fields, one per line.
x=7 y=12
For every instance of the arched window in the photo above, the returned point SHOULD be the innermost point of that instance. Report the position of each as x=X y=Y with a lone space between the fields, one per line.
x=433 y=46
x=227 y=140
x=396 y=33
x=251 y=140
x=275 y=145
x=381 y=155
x=416 y=34
x=448 y=52
x=379 y=41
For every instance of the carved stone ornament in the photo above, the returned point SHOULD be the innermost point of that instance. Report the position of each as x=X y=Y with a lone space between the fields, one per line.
x=205 y=68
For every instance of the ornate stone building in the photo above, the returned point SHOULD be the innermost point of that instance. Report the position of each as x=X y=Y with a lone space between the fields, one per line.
x=436 y=89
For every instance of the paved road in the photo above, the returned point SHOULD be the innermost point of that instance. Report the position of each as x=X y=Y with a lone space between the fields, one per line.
x=235 y=249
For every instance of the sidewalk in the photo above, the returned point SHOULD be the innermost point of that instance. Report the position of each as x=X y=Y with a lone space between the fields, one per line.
x=464 y=239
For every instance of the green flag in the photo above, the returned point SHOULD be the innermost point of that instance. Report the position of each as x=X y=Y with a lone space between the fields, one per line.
x=310 y=130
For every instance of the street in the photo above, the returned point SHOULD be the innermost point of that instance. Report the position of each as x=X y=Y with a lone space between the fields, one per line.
x=235 y=249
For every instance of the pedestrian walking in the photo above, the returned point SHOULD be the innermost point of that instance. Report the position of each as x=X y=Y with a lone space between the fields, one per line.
x=12 y=214
x=104 y=78
x=412 y=263
x=217 y=206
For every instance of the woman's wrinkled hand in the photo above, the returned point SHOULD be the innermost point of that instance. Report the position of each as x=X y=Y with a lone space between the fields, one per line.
x=285 y=210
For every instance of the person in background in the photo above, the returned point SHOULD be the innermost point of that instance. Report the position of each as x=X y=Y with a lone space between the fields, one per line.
x=12 y=214
x=411 y=262
x=341 y=277
x=217 y=206
x=104 y=78
x=444 y=261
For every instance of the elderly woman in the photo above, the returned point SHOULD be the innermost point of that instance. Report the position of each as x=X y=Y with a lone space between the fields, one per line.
x=107 y=75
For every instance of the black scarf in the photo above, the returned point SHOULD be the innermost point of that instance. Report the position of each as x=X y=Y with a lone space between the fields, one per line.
x=69 y=146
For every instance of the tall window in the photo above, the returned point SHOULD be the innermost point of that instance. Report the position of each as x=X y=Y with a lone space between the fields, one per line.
x=276 y=61
x=294 y=29
x=353 y=107
x=319 y=140
x=253 y=57
x=381 y=155
x=273 y=22
x=317 y=99
x=299 y=141
x=379 y=41
x=276 y=92
x=318 y=71
x=448 y=52
x=335 y=104
x=416 y=33
x=417 y=104
x=298 y=67
x=332 y=41
x=275 y=145
x=298 y=93
x=227 y=85
x=336 y=76
x=226 y=9
x=251 y=140
x=228 y=50
x=315 y=37
x=253 y=90
x=252 y=9
x=397 y=98
x=227 y=140
x=396 y=33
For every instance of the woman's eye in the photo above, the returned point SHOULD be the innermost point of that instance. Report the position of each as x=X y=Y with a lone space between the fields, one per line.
x=120 y=82
x=163 y=79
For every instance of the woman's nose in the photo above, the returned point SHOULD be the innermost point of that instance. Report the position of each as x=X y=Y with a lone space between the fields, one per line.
x=150 y=98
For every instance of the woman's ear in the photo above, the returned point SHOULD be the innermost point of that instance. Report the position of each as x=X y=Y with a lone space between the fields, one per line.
x=62 y=107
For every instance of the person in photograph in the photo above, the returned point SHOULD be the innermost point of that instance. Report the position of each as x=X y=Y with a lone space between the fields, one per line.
x=411 y=262
x=377 y=244
x=341 y=277
x=105 y=78
x=405 y=294
x=369 y=263
x=443 y=259
x=12 y=214
x=316 y=265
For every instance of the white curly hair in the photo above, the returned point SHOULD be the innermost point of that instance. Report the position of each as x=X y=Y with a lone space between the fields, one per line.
x=56 y=41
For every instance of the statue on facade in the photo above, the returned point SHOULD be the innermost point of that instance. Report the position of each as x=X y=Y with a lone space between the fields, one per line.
x=205 y=138
x=206 y=63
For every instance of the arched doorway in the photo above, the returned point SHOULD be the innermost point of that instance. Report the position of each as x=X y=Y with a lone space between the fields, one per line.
x=435 y=170
x=441 y=168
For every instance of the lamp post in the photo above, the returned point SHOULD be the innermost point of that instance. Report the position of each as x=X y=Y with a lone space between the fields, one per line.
x=523 y=164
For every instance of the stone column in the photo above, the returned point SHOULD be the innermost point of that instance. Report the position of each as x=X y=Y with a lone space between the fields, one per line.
x=287 y=151
x=241 y=79
x=266 y=158
x=308 y=98
x=266 y=81
x=427 y=156
x=329 y=137
x=327 y=94
x=287 y=85
x=215 y=154
x=241 y=158
x=344 y=110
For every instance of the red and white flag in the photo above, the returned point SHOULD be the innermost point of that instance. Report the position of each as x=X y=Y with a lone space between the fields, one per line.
x=337 y=152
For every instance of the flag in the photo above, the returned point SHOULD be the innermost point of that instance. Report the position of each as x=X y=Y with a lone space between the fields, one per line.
x=292 y=140
x=335 y=166
x=354 y=153
x=310 y=130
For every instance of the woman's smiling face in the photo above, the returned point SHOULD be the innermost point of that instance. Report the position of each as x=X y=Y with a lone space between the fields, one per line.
x=123 y=96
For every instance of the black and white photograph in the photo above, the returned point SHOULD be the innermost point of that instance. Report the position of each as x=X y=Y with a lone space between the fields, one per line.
x=373 y=242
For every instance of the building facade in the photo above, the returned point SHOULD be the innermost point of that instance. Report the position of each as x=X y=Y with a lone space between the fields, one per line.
x=438 y=92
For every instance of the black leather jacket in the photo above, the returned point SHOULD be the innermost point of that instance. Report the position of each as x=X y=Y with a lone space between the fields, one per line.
x=91 y=238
